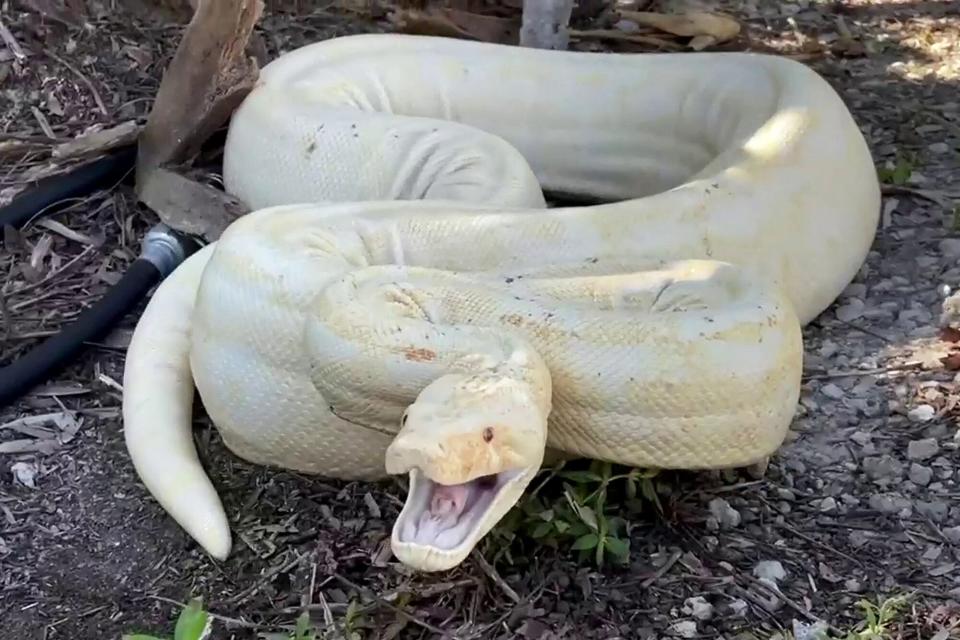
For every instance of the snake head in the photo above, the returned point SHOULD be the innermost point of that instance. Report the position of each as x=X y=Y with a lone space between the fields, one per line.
x=471 y=444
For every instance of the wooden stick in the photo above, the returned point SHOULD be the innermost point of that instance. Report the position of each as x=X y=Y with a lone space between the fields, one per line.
x=208 y=77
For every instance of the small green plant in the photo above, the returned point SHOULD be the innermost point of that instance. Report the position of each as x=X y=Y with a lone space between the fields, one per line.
x=900 y=172
x=194 y=623
x=574 y=509
x=304 y=629
x=878 y=618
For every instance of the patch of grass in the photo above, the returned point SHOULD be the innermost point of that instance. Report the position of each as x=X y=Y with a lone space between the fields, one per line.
x=577 y=510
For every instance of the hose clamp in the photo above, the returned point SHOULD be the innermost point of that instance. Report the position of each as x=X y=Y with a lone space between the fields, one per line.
x=164 y=249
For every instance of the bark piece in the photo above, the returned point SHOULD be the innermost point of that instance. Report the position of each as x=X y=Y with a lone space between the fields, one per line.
x=189 y=206
x=209 y=76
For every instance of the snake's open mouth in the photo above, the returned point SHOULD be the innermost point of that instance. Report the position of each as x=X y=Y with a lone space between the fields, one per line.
x=446 y=516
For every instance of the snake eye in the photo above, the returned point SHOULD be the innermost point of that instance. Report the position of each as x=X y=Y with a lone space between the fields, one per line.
x=488 y=434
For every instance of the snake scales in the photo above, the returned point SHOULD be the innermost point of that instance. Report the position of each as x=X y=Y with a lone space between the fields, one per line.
x=402 y=300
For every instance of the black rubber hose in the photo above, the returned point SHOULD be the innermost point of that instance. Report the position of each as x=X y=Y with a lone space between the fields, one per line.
x=163 y=251
x=53 y=192
x=56 y=352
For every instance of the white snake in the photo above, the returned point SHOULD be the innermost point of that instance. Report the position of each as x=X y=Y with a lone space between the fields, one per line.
x=434 y=290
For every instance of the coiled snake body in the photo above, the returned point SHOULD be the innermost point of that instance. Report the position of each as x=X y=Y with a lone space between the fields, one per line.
x=402 y=301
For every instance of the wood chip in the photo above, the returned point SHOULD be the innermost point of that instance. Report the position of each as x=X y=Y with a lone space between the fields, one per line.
x=189 y=206
x=708 y=27
x=452 y=23
x=97 y=142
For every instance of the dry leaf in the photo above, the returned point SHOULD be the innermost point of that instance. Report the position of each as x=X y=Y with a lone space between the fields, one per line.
x=703 y=26
x=635 y=38
x=142 y=56
x=951 y=361
x=452 y=23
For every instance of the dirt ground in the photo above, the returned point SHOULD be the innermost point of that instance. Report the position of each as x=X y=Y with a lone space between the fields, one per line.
x=863 y=501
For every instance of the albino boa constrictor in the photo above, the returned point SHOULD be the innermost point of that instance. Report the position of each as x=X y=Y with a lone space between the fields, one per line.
x=432 y=317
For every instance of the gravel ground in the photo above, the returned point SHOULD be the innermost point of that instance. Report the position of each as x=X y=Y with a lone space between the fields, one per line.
x=862 y=501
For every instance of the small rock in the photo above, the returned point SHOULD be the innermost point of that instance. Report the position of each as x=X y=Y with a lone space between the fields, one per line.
x=738 y=607
x=888 y=502
x=725 y=515
x=922 y=413
x=939 y=148
x=684 y=628
x=920 y=474
x=786 y=494
x=698 y=607
x=832 y=391
x=850 y=500
x=850 y=311
x=923 y=449
x=853 y=585
x=809 y=631
x=25 y=473
x=770 y=570
x=859 y=538
x=952 y=534
x=828 y=504
x=935 y=510
x=883 y=467
x=855 y=290
x=862 y=438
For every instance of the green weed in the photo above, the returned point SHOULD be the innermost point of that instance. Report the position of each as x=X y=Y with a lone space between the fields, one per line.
x=574 y=510
x=900 y=172
x=194 y=623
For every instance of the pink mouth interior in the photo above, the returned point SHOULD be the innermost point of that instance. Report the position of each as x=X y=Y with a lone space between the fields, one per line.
x=443 y=516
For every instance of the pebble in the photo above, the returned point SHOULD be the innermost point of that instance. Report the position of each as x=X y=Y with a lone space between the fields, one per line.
x=882 y=468
x=832 y=391
x=851 y=310
x=939 y=148
x=828 y=504
x=889 y=502
x=786 y=494
x=738 y=607
x=923 y=449
x=920 y=474
x=922 y=413
x=685 y=628
x=935 y=510
x=952 y=534
x=698 y=607
x=25 y=473
x=770 y=570
x=859 y=538
x=725 y=515
x=809 y=630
